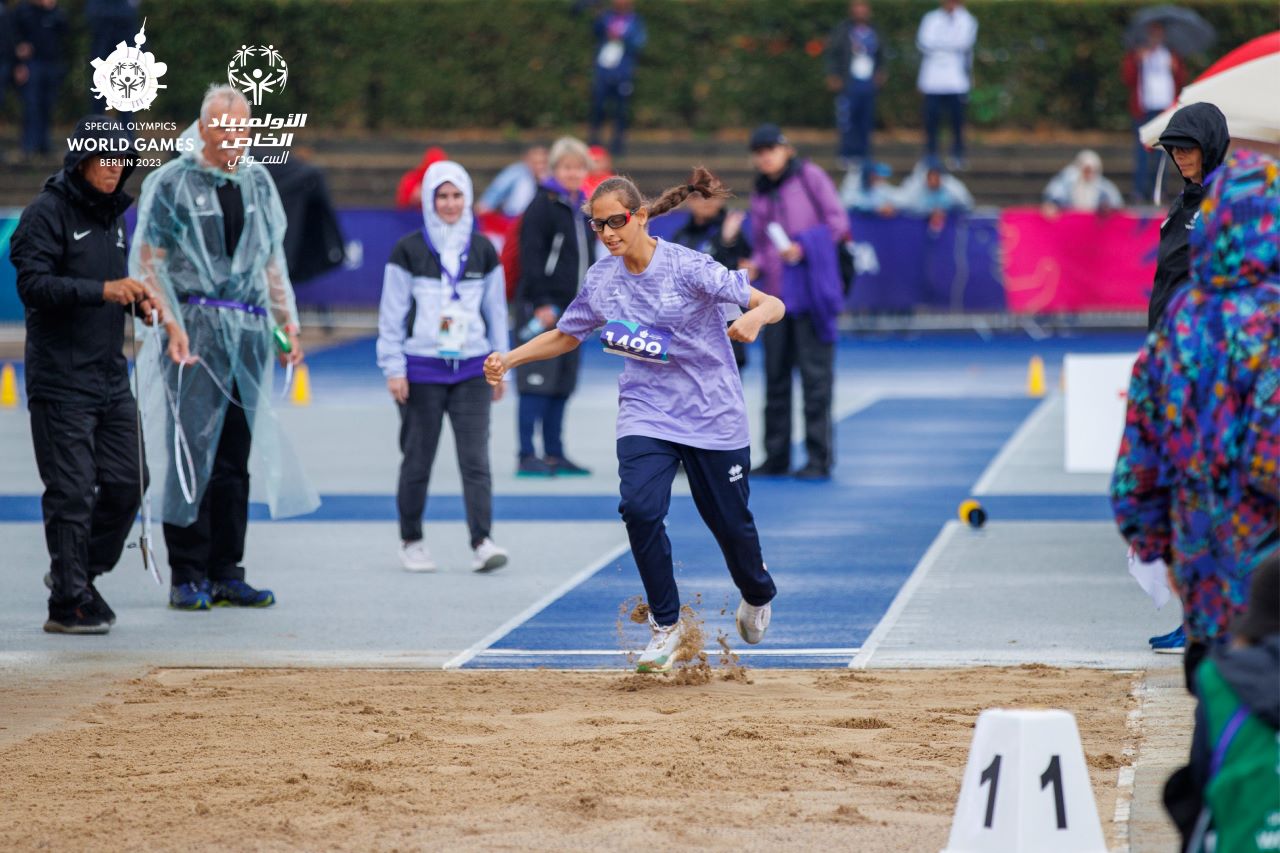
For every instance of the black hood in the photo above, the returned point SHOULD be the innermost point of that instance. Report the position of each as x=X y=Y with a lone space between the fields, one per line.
x=1254 y=676
x=766 y=184
x=1202 y=125
x=113 y=142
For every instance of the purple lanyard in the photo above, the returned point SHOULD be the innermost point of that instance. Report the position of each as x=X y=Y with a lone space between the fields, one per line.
x=1225 y=739
x=256 y=310
x=450 y=279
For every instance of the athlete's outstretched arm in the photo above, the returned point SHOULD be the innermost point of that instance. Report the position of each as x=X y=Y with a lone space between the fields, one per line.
x=547 y=345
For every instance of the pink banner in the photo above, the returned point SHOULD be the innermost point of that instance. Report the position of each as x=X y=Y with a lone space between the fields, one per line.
x=1077 y=261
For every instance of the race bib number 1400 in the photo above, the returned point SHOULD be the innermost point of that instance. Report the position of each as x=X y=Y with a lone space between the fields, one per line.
x=636 y=340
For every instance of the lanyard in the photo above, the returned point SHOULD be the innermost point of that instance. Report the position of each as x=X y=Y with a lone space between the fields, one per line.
x=450 y=279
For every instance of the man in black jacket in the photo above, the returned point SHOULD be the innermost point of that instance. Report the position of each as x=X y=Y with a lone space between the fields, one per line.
x=1196 y=140
x=72 y=263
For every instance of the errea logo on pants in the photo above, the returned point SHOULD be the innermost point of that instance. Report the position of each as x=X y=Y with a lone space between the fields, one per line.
x=735 y=473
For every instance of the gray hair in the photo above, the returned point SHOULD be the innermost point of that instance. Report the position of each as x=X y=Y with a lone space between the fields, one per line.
x=568 y=146
x=220 y=93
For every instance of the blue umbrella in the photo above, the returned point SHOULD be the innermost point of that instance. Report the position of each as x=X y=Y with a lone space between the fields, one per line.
x=1185 y=32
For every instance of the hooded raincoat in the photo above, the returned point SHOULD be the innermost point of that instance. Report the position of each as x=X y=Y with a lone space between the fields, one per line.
x=1196 y=482
x=228 y=304
x=1203 y=126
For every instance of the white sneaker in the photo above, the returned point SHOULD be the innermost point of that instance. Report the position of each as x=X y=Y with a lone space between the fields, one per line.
x=659 y=655
x=415 y=557
x=753 y=621
x=488 y=557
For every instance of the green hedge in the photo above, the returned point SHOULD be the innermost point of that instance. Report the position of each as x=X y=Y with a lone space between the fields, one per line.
x=509 y=64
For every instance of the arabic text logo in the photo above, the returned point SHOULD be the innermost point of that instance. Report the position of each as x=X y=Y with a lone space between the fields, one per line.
x=255 y=71
x=129 y=79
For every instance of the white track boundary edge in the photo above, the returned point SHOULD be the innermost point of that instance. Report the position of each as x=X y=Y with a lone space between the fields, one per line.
x=908 y=589
x=983 y=486
x=537 y=607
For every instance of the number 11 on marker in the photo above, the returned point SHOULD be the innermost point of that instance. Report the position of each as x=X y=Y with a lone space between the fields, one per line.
x=1051 y=776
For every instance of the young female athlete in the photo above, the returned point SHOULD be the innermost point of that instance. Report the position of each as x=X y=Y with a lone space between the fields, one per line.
x=680 y=397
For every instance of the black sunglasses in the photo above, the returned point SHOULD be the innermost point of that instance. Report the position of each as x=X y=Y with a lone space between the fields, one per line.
x=615 y=222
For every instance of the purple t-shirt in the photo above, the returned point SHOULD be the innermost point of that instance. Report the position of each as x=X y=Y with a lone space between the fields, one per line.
x=679 y=382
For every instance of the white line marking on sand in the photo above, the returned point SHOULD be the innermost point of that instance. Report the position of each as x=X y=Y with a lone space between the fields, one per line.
x=537 y=607
x=1011 y=446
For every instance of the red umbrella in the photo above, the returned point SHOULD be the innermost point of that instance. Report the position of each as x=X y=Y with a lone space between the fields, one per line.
x=1244 y=85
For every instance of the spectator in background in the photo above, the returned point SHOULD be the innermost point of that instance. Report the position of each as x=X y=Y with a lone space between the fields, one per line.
x=1154 y=75
x=443 y=310
x=555 y=251
x=620 y=36
x=40 y=29
x=1196 y=139
x=945 y=39
x=601 y=169
x=855 y=72
x=932 y=193
x=515 y=186
x=1196 y=483
x=867 y=190
x=715 y=231
x=796 y=201
x=1080 y=187
x=409 y=190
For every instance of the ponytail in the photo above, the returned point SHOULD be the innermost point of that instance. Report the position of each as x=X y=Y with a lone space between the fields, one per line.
x=701 y=181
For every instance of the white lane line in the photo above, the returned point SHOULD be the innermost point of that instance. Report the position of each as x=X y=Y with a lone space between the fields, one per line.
x=531 y=653
x=899 y=604
x=860 y=400
x=1012 y=446
x=537 y=607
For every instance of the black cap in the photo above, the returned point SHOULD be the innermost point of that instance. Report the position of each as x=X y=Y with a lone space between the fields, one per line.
x=766 y=136
x=1262 y=616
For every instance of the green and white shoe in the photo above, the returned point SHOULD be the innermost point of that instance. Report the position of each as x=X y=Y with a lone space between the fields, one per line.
x=660 y=654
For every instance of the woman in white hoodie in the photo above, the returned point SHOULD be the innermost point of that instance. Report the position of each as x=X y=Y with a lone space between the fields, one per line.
x=443 y=311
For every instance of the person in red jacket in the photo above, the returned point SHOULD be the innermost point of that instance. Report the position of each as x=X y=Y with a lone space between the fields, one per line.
x=409 y=191
x=1155 y=75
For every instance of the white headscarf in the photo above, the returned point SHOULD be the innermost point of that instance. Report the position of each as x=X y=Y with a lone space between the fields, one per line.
x=449 y=240
x=1086 y=192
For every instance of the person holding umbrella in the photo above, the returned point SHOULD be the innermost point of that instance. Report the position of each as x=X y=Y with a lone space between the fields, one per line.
x=1157 y=39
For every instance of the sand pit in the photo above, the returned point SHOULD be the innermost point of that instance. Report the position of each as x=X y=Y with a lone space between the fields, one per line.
x=377 y=760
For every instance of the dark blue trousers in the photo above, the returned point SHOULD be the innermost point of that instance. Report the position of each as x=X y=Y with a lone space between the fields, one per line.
x=535 y=409
x=855 y=119
x=718 y=481
x=954 y=106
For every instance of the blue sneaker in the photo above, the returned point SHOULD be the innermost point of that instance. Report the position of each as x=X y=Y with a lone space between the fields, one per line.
x=240 y=594
x=190 y=596
x=1173 y=643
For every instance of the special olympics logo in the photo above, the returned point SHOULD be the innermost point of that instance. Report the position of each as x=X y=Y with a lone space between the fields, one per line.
x=256 y=71
x=129 y=79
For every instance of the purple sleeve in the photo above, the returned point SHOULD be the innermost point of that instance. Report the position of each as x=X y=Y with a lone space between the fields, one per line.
x=711 y=281
x=833 y=213
x=580 y=318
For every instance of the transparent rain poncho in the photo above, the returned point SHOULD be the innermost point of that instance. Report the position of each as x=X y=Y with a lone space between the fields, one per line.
x=179 y=248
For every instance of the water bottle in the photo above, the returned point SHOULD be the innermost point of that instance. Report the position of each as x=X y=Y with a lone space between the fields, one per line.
x=534 y=327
